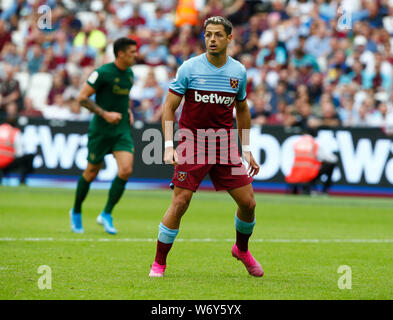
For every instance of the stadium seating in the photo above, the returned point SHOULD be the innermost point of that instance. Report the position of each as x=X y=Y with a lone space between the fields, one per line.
x=24 y=80
x=141 y=70
x=40 y=86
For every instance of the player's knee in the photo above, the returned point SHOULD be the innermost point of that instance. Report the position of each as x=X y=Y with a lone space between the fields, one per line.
x=90 y=174
x=125 y=172
x=248 y=206
x=181 y=203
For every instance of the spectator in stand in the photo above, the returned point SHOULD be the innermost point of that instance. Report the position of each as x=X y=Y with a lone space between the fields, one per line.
x=166 y=5
x=11 y=56
x=5 y=34
x=301 y=114
x=123 y=9
x=361 y=119
x=58 y=109
x=185 y=53
x=186 y=13
x=300 y=7
x=72 y=91
x=211 y=9
x=318 y=44
x=259 y=111
x=147 y=97
x=301 y=59
x=10 y=92
x=382 y=117
x=281 y=116
x=29 y=110
x=315 y=88
x=280 y=93
x=297 y=42
x=160 y=24
x=89 y=42
x=35 y=59
x=136 y=19
x=184 y=38
x=115 y=28
x=58 y=88
x=155 y=53
x=302 y=93
x=329 y=117
x=253 y=73
x=17 y=8
x=346 y=111
x=62 y=48
x=366 y=57
x=236 y=11
x=271 y=52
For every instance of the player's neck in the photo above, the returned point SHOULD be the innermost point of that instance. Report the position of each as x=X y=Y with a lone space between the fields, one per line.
x=217 y=61
x=120 y=64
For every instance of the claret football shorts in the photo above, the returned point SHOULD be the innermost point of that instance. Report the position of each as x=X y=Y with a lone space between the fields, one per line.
x=223 y=176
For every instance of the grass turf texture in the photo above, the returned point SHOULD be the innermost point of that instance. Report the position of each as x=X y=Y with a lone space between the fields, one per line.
x=88 y=267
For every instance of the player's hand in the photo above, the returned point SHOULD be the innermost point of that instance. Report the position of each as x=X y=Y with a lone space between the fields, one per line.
x=253 y=166
x=112 y=117
x=170 y=156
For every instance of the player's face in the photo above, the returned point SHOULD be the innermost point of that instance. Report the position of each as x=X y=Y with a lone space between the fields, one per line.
x=129 y=56
x=216 y=39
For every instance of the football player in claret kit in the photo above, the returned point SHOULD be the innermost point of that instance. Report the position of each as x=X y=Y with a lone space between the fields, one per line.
x=109 y=131
x=212 y=84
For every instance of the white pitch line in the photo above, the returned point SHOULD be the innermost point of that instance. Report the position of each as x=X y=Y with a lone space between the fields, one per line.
x=31 y=239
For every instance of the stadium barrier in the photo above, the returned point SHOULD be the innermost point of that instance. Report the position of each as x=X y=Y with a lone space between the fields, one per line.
x=365 y=155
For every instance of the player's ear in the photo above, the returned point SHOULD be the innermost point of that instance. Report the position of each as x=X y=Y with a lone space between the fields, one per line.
x=120 y=53
x=229 y=37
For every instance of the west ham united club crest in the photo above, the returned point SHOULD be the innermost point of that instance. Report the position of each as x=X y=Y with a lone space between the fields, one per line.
x=234 y=83
x=181 y=176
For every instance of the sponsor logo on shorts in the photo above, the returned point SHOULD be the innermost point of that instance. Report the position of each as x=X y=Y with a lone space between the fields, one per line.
x=181 y=176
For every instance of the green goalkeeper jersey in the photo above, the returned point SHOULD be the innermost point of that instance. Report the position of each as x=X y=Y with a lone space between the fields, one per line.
x=112 y=87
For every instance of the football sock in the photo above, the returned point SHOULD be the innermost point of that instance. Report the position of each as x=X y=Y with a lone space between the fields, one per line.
x=166 y=237
x=81 y=191
x=243 y=233
x=115 y=193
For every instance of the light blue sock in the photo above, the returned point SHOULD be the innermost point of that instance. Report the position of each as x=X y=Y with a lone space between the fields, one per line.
x=244 y=227
x=166 y=235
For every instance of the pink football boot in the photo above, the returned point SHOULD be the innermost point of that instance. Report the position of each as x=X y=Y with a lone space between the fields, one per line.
x=157 y=270
x=253 y=267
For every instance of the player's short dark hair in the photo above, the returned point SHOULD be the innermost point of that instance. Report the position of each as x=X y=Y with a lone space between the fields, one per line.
x=122 y=44
x=220 y=20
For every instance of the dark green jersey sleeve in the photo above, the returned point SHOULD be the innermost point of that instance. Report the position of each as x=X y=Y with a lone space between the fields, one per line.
x=96 y=79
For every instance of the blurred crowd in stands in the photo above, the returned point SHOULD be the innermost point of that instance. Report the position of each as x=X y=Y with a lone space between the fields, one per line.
x=323 y=62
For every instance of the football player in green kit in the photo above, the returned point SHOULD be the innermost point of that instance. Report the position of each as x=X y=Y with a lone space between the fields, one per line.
x=109 y=131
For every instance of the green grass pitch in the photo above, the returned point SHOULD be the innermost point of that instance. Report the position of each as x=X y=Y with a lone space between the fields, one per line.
x=300 y=242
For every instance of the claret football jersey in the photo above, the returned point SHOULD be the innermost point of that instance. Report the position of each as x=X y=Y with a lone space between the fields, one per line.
x=209 y=92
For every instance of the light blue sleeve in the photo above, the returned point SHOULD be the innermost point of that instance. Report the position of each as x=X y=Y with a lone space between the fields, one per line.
x=180 y=83
x=242 y=93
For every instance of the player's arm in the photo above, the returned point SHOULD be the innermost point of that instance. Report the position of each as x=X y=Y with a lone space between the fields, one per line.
x=130 y=105
x=83 y=99
x=171 y=103
x=243 y=120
